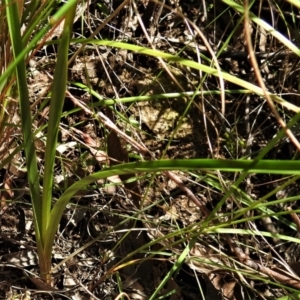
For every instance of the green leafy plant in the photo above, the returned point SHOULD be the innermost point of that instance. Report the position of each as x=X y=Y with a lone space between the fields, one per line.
x=41 y=203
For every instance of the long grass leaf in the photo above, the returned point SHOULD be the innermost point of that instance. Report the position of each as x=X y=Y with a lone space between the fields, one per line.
x=263 y=166
x=25 y=111
x=190 y=63
x=56 y=106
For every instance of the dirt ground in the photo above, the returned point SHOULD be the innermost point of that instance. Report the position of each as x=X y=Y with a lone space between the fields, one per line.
x=88 y=243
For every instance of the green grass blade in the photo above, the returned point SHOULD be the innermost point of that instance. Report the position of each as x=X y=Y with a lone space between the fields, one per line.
x=250 y=232
x=59 y=14
x=250 y=166
x=174 y=268
x=190 y=63
x=66 y=10
x=31 y=162
x=267 y=27
x=39 y=17
x=56 y=105
x=26 y=121
x=109 y=102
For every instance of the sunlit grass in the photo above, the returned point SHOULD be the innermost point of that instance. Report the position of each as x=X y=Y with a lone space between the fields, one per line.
x=48 y=213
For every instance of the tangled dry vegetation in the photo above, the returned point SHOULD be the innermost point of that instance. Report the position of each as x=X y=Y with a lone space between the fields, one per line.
x=124 y=237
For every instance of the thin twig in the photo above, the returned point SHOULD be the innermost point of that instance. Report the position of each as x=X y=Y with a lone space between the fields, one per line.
x=260 y=79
